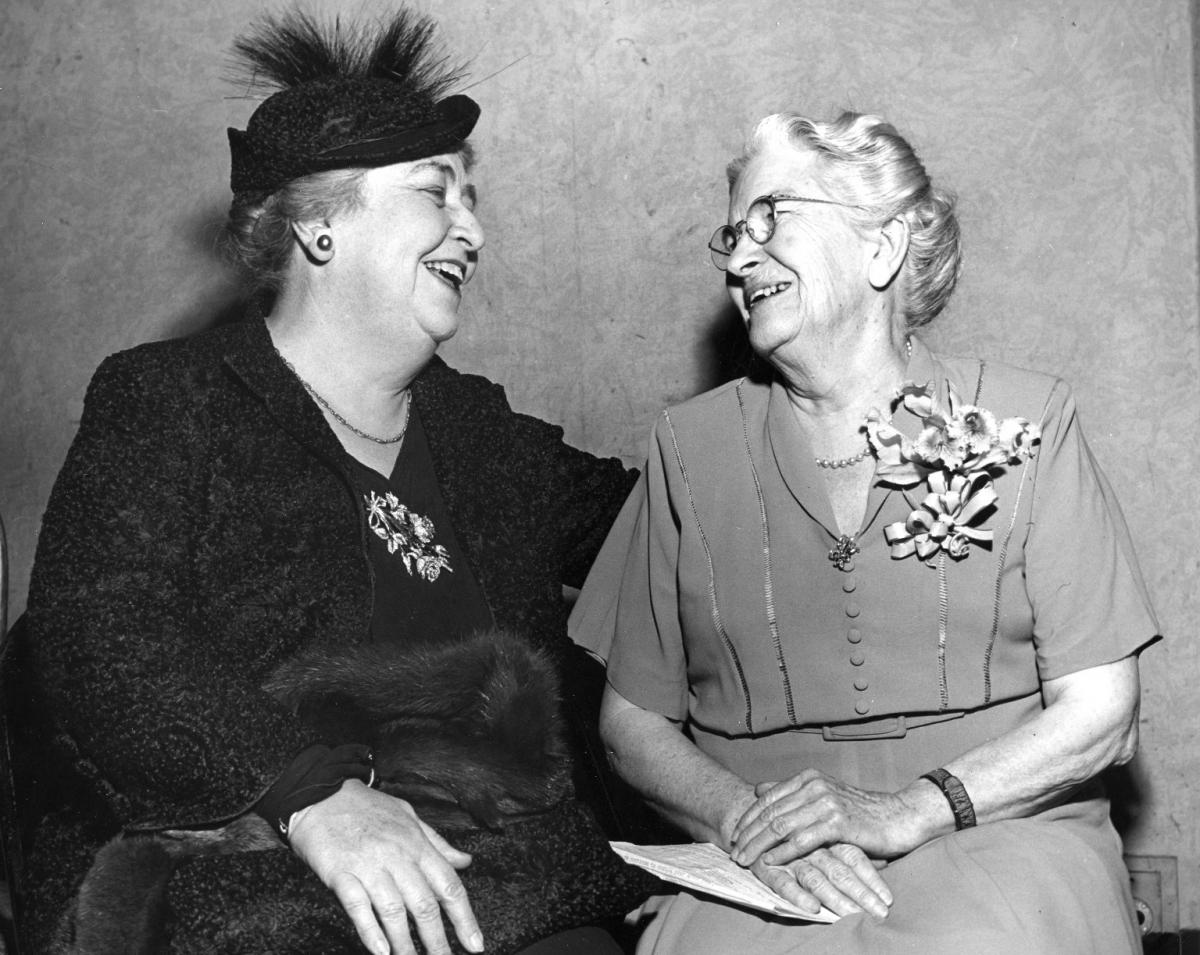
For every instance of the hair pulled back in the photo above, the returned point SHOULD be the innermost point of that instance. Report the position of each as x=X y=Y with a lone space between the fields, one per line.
x=258 y=233
x=870 y=165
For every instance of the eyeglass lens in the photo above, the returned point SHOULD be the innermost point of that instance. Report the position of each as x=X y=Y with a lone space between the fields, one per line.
x=759 y=224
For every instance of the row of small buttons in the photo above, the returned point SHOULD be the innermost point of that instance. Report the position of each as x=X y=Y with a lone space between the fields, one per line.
x=854 y=636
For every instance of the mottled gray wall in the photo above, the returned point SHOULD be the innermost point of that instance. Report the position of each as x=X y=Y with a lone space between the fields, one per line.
x=1066 y=128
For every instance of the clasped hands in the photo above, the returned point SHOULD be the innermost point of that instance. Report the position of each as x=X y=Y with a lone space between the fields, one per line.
x=812 y=839
x=384 y=864
x=816 y=840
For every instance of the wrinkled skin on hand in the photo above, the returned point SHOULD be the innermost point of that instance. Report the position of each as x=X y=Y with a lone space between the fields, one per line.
x=841 y=878
x=813 y=837
x=384 y=864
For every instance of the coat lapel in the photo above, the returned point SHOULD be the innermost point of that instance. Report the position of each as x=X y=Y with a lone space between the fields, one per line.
x=255 y=360
x=459 y=450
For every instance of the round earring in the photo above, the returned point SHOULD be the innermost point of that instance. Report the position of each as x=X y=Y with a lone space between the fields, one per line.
x=324 y=242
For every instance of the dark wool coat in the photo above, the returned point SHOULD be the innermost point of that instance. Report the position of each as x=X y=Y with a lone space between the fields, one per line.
x=203 y=530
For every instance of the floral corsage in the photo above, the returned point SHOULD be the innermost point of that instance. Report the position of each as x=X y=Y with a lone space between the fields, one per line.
x=956 y=454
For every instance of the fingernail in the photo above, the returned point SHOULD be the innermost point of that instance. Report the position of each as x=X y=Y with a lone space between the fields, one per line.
x=475 y=942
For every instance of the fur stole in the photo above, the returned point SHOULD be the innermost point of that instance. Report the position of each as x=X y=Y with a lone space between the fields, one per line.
x=469 y=732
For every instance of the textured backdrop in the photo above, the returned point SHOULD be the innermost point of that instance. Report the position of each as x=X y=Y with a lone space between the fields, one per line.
x=1066 y=128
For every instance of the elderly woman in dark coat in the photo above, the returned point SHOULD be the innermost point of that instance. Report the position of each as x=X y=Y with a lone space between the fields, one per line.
x=273 y=568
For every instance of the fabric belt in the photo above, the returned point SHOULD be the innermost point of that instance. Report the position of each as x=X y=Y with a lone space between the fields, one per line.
x=890 y=727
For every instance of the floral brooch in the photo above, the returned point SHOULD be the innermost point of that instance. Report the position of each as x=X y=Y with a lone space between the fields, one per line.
x=956 y=455
x=408 y=533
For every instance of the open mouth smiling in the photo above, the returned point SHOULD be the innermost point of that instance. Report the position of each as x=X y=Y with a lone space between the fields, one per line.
x=754 y=296
x=452 y=273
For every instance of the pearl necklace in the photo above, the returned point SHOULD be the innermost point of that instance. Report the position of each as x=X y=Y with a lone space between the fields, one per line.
x=835 y=463
x=396 y=439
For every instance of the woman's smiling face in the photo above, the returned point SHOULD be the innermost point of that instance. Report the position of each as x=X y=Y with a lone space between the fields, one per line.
x=405 y=253
x=810 y=278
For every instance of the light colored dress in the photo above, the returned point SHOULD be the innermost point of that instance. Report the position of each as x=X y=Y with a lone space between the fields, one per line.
x=716 y=601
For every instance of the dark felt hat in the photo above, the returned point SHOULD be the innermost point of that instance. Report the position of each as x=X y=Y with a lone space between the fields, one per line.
x=350 y=97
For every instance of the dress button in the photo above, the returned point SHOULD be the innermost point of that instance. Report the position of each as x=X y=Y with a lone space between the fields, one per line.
x=852 y=609
x=854 y=635
x=862 y=707
x=861 y=684
x=849 y=584
x=858 y=658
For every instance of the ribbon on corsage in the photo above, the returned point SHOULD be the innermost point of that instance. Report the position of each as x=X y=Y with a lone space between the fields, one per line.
x=957 y=453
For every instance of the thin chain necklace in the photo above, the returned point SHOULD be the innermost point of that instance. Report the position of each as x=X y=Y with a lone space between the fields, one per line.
x=835 y=463
x=342 y=421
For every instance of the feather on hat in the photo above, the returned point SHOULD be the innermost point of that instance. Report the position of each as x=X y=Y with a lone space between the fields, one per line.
x=347 y=95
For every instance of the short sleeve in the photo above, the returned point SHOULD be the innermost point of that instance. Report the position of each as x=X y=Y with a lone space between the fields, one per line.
x=1090 y=603
x=628 y=611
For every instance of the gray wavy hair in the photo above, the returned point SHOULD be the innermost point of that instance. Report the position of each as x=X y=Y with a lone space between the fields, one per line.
x=870 y=165
x=258 y=234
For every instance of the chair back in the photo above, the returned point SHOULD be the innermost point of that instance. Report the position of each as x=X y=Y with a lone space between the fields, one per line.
x=11 y=852
x=3 y=581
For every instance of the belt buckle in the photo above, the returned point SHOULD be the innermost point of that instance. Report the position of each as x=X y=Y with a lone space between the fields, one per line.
x=843 y=732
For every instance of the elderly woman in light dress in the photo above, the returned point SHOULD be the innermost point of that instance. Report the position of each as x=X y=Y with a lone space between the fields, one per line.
x=872 y=619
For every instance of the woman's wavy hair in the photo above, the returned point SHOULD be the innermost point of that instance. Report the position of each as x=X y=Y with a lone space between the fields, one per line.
x=258 y=233
x=870 y=165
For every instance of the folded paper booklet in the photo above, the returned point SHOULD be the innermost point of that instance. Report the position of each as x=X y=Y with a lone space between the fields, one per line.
x=703 y=867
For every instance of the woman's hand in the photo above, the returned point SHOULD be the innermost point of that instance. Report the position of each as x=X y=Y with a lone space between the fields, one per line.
x=384 y=864
x=841 y=878
x=794 y=818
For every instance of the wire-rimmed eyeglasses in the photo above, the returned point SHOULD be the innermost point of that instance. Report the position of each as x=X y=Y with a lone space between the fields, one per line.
x=759 y=224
